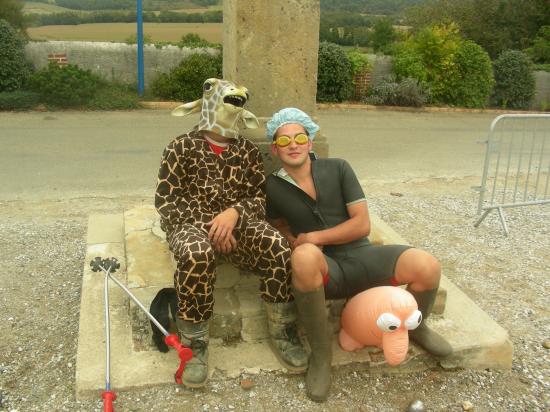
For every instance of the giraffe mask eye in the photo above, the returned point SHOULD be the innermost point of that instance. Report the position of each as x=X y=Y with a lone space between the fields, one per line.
x=207 y=86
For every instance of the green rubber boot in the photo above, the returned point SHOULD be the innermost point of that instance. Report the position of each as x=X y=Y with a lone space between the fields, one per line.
x=423 y=335
x=196 y=337
x=283 y=336
x=313 y=317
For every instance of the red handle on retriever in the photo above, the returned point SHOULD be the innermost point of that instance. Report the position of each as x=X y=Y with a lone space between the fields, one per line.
x=108 y=398
x=185 y=354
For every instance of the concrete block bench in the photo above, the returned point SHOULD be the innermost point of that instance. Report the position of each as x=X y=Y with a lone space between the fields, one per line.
x=239 y=325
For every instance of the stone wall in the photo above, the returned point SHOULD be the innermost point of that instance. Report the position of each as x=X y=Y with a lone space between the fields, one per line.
x=118 y=61
x=112 y=61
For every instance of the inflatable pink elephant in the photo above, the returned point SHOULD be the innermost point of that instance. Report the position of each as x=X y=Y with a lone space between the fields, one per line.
x=382 y=317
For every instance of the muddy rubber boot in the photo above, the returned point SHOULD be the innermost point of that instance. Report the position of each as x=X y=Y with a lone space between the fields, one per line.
x=196 y=337
x=423 y=335
x=313 y=317
x=283 y=336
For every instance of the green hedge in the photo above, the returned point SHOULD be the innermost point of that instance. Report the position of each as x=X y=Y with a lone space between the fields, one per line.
x=19 y=100
x=114 y=96
x=68 y=86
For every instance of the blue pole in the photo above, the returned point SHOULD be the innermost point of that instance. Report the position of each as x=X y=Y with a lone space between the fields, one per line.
x=140 y=47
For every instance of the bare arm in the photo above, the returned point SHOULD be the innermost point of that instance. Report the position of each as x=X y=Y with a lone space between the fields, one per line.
x=356 y=227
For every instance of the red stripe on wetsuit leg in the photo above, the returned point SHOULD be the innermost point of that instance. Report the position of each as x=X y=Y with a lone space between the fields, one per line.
x=393 y=281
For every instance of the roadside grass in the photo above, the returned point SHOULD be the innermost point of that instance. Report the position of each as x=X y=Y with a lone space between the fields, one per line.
x=119 y=32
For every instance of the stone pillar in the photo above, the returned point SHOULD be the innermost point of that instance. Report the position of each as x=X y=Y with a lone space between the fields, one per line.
x=271 y=47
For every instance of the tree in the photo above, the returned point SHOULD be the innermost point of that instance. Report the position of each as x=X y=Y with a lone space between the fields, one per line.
x=14 y=68
x=383 y=35
x=540 y=51
x=12 y=12
x=495 y=25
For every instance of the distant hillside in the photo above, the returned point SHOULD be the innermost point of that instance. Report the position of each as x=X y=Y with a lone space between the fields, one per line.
x=54 y=6
x=387 y=7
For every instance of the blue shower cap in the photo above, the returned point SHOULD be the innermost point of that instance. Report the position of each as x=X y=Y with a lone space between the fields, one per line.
x=288 y=116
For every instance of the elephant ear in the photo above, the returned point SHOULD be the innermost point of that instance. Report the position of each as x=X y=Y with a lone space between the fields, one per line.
x=188 y=108
x=249 y=120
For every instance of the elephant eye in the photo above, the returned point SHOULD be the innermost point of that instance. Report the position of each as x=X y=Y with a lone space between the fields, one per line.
x=414 y=320
x=388 y=322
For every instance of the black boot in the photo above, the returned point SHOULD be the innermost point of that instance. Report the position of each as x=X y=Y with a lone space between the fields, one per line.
x=423 y=335
x=196 y=337
x=283 y=336
x=313 y=317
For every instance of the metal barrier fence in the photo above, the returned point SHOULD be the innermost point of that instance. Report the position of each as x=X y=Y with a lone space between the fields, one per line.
x=516 y=171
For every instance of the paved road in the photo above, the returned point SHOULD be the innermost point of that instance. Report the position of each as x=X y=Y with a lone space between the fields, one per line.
x=68 y=154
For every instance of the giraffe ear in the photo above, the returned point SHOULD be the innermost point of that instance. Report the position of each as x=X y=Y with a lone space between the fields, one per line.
x=188 y=108
x=249 y=120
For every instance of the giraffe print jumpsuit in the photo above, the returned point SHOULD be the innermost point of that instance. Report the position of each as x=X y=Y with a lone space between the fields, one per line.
x=195 y=185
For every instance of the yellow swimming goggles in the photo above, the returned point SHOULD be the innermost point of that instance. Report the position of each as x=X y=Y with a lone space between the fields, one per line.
x=284 y=141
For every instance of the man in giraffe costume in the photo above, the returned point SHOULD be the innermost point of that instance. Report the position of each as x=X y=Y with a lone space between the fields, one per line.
x=211 y=202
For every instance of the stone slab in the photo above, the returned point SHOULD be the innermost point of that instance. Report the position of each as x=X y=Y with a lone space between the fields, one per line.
x=149 y=261
x=107 y=228
x=477 y=340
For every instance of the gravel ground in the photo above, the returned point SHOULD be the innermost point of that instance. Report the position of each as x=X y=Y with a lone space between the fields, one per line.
x=42 y=247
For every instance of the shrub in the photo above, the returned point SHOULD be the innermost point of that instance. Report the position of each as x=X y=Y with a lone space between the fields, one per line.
x=194 y=41
x=359 y=61
x=18 y=100
x=514 y=80
x=114 y=96
x=132 y=39
x=473 y=83
x=184 y=82
x=458 y=72
x=67 y=86
x=408 y=62
x=407 y=92
x=542 y=67
x=334 y=79
x=14 y=69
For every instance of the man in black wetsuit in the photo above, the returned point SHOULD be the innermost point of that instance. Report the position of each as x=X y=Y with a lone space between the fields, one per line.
x=320 y=207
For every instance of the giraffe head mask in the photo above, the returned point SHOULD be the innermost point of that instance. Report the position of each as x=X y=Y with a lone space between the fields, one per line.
x=221 y=108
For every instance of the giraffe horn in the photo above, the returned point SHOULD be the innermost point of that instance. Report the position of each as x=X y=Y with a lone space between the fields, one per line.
x=188 y=108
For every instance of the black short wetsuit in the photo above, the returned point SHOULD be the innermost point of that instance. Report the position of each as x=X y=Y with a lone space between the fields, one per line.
x=353 y=267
